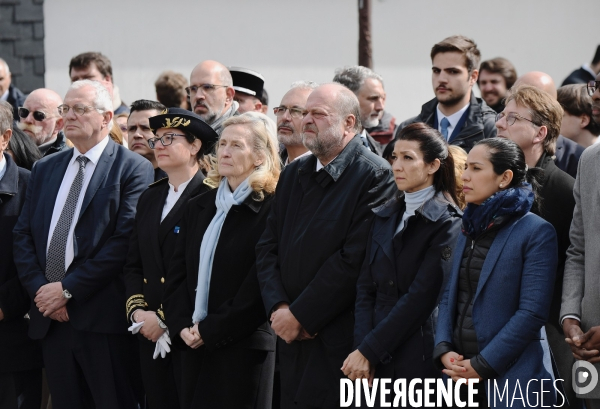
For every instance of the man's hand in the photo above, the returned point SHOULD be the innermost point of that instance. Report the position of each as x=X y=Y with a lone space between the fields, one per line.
x=1 y=315
x=356 y=366
x=304 y=335
x=191 y=337
x=285 y=325
x=576 y=339
x=49 y=298
x=150 y=330
x=60 y=315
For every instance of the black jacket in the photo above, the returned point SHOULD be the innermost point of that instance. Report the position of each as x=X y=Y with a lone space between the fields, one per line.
x=567 y=155
x=152 y=244
x=59 y=145
x=579 y=76
x=310 y=257
x=400 y=285
x=557 y=206
x=17 y=351
x=16 y=99
x=480 y=123
x=235 y=314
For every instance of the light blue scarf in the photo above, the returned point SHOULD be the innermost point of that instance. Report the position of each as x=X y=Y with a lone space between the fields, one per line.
x=225 y=199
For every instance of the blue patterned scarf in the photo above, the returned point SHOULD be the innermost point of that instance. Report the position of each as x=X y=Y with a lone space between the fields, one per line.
x=513 y=202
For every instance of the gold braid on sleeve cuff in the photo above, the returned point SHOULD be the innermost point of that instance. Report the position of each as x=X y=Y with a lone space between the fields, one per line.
x=134 y=302
x=161 y=314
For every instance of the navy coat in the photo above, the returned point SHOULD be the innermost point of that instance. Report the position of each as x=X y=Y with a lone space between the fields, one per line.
x=511 y=306
x=400 y=285
x=101 y=237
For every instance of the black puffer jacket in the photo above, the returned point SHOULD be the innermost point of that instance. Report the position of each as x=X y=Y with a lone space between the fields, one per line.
x=464 y=336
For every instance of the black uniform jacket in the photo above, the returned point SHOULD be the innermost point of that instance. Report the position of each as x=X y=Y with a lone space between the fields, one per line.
x=480 y=122
x=152 y=244
x=235 y=317
x=400 y=285
x=310 y=257
x=17 y=351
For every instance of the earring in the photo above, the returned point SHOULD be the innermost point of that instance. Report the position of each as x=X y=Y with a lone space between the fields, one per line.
x=501 y=185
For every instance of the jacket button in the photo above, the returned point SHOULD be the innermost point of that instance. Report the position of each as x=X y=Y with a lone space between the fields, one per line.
x=145 y=281
x=391 y=282
x=162 y=280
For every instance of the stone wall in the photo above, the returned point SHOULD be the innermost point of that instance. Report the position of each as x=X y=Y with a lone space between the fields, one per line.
x=22 y=41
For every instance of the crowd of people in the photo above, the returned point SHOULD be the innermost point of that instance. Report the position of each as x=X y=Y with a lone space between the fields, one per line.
x=190 y=252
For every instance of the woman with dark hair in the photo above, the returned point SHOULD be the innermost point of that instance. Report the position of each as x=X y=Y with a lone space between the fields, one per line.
x=22 y=149
x=408 y=256
x=492 y=315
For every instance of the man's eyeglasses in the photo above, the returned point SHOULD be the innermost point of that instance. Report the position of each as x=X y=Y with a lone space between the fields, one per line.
x=78 y=109
x=37 y=115
x=512 y=117
x=592 y=87
x=166 y=140
x=294 y=112
x=206 y=88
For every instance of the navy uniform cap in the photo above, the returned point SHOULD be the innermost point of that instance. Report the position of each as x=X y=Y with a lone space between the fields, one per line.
x=187 y=121
x=247 y=81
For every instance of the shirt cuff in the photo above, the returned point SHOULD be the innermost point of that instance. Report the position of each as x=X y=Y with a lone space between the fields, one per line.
x=575 y=317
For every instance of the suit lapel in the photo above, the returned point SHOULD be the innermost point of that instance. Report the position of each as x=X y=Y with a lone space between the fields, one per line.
x=102 y=168
x=154 y=215
x=492 y=256
x=174 y=216
x=50 y=189
x=383 y=236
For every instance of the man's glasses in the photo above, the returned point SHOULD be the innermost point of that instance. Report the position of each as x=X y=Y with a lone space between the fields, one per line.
x=166 y=140
x=37 y=115
x=78 y=109
x=592 y=86
x=206 y=88
x=512 y=117
x=294 y=112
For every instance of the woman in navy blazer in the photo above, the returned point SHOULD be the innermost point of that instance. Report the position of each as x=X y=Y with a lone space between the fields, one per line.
x=492 y=315
x=407 y=258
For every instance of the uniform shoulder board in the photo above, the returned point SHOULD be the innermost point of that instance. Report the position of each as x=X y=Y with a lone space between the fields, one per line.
x=159 y=182
x=211 y=184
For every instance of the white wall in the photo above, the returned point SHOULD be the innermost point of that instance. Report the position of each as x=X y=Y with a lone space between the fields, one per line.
x=288 y=40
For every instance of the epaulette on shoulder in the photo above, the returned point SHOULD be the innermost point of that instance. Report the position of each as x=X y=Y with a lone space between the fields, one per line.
x=210 y=183
x=158 y=182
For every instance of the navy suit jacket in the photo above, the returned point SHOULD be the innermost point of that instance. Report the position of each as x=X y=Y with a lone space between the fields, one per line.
x=101 y=237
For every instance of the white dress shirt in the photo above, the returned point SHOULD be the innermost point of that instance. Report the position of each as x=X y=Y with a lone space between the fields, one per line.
x=94 y=156
x=173 y=197
x=4 y=96
x=453 y=119
x=2 y=166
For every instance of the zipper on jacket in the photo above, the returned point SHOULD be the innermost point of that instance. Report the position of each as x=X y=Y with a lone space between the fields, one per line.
x=466 y=306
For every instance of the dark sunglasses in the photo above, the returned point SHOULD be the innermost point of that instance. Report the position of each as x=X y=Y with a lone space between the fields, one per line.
x=37 y=115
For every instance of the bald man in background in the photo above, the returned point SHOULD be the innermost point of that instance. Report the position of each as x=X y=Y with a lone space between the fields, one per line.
x=567 y=152
x=39 y=118
x=211 y=93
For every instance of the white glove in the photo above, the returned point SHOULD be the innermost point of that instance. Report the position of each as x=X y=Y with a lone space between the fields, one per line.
x=162 y=345
x=135 y=327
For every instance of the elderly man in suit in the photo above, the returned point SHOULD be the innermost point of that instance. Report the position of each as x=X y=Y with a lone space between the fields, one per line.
x=580 y=316
x=20 y=357
x=71 y=243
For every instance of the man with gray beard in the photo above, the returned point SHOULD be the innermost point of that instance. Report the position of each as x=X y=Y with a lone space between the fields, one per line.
x=310 y=254
x=39 y=118
x=289 y=120
x=211 y=93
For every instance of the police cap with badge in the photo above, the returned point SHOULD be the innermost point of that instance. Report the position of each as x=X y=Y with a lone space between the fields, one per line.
x=247 y=81
x=186 y=121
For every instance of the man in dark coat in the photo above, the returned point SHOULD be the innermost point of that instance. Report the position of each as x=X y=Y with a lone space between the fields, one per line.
x=20 y=357
x=585 y=73
x=39 y=118
x=8 y=92
x=310 y=254
x=461 y=118
x=70 y=248
x=532 y=119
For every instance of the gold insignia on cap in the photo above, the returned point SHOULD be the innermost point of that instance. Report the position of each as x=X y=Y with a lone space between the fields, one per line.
x=176 y=122
x=164 y=111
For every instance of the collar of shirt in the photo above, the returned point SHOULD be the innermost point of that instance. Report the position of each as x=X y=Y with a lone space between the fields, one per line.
x=453 y=119
x=173 y=197
x=589 y=69
x=181 y=187
x=2 y=166
x=287 y=160
x=4 y=96
x=93 y=154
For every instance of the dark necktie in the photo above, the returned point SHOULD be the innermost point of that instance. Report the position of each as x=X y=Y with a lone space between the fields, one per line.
x=55 y=260
x=444 y=124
